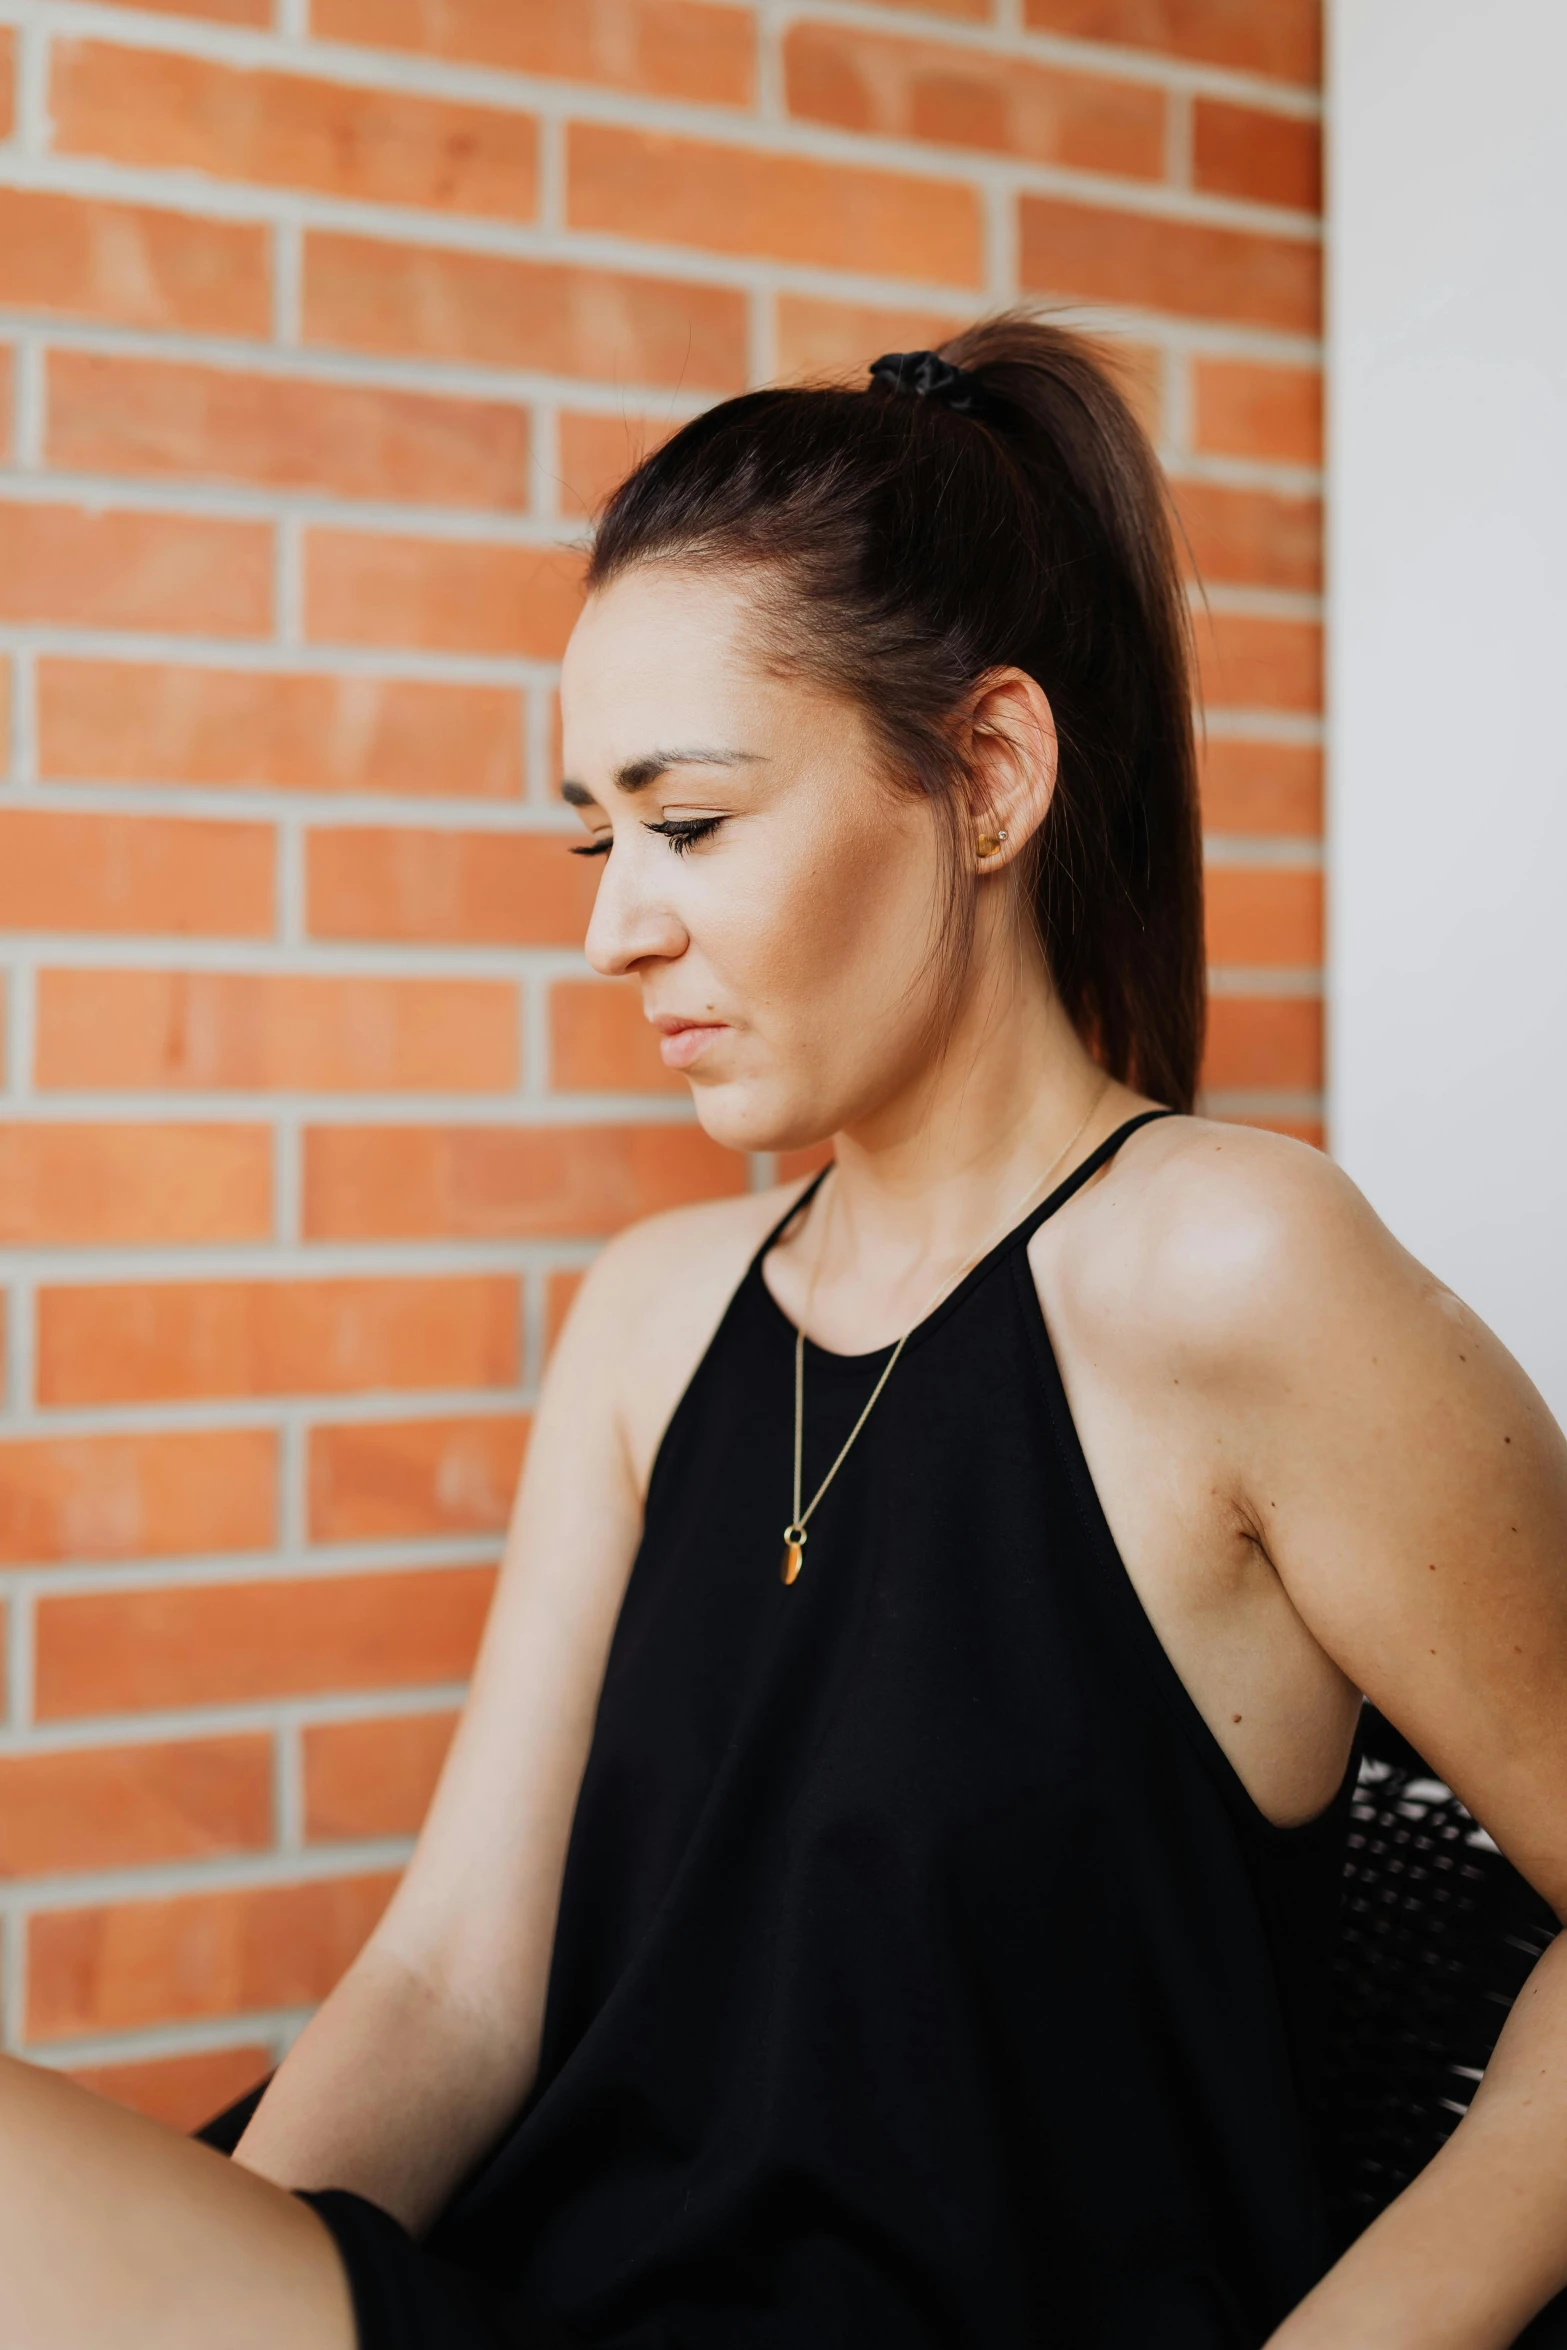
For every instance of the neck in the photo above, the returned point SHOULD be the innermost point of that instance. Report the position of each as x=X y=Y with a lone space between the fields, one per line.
x=935 y=1171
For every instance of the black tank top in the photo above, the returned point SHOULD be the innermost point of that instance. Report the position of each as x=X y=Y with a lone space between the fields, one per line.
x=925 y=1978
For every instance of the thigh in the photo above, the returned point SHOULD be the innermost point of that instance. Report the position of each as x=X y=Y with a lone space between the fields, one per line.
x=117 y=2232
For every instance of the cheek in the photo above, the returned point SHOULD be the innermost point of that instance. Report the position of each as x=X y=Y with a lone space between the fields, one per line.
x=842 y=923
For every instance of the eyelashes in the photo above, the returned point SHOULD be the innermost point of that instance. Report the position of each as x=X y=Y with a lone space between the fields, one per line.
x=681 y=832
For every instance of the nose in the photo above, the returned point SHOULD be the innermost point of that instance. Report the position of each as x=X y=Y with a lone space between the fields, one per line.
x=632 y=921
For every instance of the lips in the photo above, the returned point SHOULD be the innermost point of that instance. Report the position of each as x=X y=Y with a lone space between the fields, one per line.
x=681 y=1042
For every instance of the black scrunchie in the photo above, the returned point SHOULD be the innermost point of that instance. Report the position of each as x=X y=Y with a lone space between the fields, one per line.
x=929 y=376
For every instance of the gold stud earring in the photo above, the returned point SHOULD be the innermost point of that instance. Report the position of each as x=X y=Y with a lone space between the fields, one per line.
x=990 y=842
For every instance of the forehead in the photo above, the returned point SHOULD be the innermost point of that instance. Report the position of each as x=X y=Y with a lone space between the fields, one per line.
x=658 y=656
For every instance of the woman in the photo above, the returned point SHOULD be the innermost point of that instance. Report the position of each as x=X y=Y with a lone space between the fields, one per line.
x=880 y=1889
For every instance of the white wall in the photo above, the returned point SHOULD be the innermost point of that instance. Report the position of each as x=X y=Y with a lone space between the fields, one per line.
x=1448 y=662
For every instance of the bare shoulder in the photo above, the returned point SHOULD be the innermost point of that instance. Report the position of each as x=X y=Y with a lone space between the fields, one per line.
x=1331 y=1367
x=651 y=1302
x=1283 y=1370
x=674 y=1266
x=1223 y=1242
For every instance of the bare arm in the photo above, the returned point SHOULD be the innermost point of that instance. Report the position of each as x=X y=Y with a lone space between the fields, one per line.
x=392 y=2090
x=428 y=2045
x=1409 y=1487
x=415 y=2064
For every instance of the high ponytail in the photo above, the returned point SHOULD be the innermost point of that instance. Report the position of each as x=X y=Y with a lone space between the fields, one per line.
x=903 y=548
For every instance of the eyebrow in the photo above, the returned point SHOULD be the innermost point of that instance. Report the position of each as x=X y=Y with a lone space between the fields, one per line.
x=636 y=774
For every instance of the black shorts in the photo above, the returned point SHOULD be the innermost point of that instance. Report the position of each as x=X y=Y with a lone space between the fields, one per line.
x=404 y=2297
x=407 y=2299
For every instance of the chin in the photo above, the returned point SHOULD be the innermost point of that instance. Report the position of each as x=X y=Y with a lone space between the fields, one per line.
x=744 y=1117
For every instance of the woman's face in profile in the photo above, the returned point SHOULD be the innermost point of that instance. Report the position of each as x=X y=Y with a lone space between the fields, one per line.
x=778 y=901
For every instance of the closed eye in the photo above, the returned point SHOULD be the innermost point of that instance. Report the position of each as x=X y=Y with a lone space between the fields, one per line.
x=681 y=832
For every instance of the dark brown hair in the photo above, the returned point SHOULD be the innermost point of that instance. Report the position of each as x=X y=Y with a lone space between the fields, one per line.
x=903 y=549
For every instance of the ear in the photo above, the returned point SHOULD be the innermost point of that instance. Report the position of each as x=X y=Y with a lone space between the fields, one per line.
x=1012 y=754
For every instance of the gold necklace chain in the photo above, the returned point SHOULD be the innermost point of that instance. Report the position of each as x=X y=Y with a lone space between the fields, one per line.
x=795 y=1532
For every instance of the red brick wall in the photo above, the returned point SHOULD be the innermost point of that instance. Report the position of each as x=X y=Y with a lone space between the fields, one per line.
x=324 y=322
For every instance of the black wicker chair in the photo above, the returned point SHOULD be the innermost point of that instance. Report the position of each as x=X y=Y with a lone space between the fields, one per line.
x=1438 y=1934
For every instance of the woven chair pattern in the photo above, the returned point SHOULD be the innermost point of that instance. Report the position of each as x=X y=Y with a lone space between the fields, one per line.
x=1437 y=1936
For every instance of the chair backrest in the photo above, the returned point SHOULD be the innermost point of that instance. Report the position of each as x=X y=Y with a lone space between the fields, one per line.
x=1438 y=1933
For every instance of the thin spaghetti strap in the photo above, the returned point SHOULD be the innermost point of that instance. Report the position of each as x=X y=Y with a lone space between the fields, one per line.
x=789 y=1214
x=1058 y=1198
x=1097 y=1158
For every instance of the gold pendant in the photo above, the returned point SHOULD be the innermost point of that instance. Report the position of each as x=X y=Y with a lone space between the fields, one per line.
x=794 y=1546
